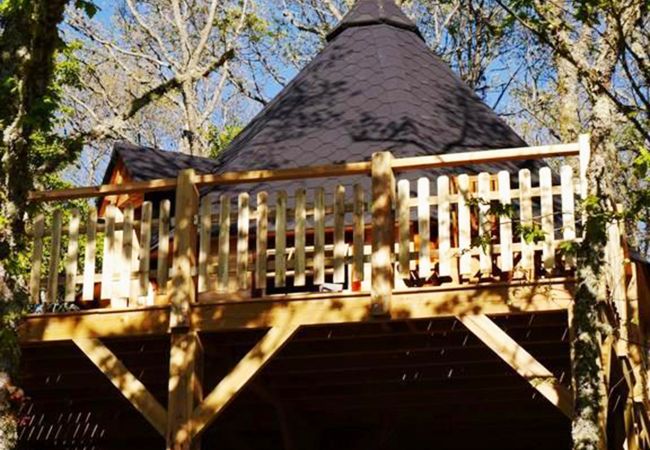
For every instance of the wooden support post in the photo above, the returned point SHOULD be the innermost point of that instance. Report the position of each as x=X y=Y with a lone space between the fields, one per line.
x=185 y=236
x=520 y=360
x=383 y=230
x=129 y=386
x=185 y=389
x=185 y=359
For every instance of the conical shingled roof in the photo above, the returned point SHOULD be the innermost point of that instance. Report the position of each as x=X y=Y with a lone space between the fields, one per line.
x=375 y=86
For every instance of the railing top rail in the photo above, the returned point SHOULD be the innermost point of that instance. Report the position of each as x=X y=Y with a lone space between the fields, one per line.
x=299 y=173
x=485 y=156
x=346 y=169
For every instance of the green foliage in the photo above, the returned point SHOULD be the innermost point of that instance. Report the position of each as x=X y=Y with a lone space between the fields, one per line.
x=255 y=26
x=641 y=164
x=569 y=248
x=599 y=217
x=10 y=315
x=482 y=241
x=220 y=139
x=35 y=64
x=530 y=233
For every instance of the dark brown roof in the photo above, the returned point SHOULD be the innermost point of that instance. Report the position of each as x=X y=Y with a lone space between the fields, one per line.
x=147 y=163
x=375 y=86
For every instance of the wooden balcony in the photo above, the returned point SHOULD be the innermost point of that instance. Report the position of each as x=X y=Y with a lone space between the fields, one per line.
x=378 y=255
x=399 y=229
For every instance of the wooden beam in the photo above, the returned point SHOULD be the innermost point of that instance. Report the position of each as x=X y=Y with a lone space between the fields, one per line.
x=520 y=360
x=383 y=231
x=233 y=383
x=411 y=304
x=185 y=259
x=485 y=156
x=95 y=324
x=312 y=308
x=185 y=389
x=129 y=386
x=298 y=173
x=163 y=184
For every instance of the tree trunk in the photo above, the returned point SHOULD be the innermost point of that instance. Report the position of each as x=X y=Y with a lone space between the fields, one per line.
x=29 y=41
x=589 y=424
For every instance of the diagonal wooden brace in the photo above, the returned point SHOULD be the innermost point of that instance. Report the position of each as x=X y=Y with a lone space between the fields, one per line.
x=233 y=383
x=128 y=385
x=520 y=360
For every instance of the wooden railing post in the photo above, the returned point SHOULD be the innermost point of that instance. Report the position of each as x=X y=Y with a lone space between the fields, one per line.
x=383 y=231
x=185 y=239
x=185 y=359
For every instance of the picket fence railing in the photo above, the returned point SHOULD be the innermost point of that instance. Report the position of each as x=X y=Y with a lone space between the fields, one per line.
x=376 y=234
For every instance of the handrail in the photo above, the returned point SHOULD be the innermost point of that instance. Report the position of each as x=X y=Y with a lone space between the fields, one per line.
x=346 y=169
x=485 y=156
x=162 y=184
x=299 y=173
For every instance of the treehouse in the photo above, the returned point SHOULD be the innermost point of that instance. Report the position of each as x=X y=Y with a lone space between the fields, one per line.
x=376 y=262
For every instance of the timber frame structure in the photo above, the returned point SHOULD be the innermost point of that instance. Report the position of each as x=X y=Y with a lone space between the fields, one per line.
x=295 y=276
x=354 y=271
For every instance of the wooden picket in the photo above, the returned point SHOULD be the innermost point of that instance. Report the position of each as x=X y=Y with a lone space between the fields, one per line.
x=37 y=258
x=162 y=274
x=444 y=227
x=262 y=240
x=548 y=227
x=72 y=256
x=55 y=251
x=243 y=219
x=505 y=222
x=526 y=221
x=568 y=209
x=358 y=234
x=424 y=218
x=299 y=239
x=109 y=251
x=280 y=260
x=205 y=235
x=88 y=289
x=224 y=243
x=485 y=225
x=464 y=226
x=145 y=249
x=404 y=226
x=319 y=236
x=127 y=255
x=339 y=234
